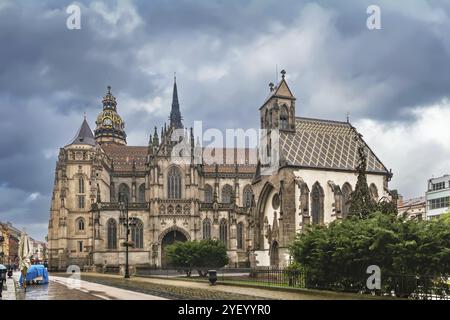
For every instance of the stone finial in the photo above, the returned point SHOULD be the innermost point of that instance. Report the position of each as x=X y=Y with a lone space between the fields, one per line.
x=109 y=89
x=283 y=74
x=271 y=85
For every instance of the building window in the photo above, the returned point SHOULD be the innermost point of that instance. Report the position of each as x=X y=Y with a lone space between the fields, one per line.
x=80 y=246
x=124 y=192
x=206 y=229
x=141 y=197
x=438 y=203
x=284 y=118
x=248 y=195
x=208 y=194
x=223 y=231
x=317 y=210
x=137 y=234
x=81 y=202
x=346 y=192
x=80 y=185
x=112 y=234
x=227 y=193
x=80 y=224
x=374 y=192
x=174 y=183
x=438 y=186
x=240 y=236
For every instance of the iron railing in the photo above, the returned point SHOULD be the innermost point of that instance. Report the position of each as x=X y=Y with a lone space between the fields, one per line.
x=428 y=287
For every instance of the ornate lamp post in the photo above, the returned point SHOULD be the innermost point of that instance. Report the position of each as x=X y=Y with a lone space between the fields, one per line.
x=127 y=222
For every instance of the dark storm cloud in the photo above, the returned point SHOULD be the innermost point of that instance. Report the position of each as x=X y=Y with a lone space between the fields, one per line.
x=224 y=52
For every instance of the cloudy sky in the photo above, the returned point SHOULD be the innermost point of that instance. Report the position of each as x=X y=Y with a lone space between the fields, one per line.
x=394 y=82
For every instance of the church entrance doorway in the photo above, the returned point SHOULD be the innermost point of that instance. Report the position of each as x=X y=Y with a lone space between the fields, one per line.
x=170 y=238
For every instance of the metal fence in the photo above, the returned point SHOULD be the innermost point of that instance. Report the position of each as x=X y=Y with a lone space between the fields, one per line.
x=424 y=287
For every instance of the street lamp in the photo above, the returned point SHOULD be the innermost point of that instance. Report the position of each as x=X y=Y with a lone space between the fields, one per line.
x=127 y=222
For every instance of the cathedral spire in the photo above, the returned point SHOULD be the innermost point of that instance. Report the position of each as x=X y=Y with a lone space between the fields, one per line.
x=175 y=114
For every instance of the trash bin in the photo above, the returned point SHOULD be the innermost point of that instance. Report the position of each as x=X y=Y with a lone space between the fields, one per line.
x=212 y=276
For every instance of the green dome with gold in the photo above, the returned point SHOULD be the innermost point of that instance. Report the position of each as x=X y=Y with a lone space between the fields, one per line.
x=110 y=126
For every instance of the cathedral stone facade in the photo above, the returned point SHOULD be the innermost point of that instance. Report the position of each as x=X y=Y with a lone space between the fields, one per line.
x=256 y=214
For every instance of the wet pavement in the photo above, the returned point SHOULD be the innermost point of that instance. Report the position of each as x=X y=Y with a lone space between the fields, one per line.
x=52 y=291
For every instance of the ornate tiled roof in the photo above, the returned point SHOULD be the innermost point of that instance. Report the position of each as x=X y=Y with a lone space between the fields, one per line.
x=245 y=158
x=124 y=156
x=325 y=144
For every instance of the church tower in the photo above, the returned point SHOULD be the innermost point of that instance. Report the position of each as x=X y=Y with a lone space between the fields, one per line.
x=110 y=126
x=175 y=114
x=278 y=110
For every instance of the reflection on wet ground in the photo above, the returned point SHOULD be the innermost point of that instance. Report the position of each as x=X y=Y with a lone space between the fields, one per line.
x=52 y=291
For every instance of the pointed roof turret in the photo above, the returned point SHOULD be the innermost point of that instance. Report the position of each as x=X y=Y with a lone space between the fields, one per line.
x=84 y=135
x=175 y=114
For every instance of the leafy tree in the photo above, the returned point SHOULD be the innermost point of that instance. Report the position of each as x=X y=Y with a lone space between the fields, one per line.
x=337 y=256
x=200 y=255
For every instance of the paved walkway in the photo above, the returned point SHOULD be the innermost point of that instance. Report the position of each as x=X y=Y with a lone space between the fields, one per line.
x=210 y=291
x=63 y=288
x=102 y=291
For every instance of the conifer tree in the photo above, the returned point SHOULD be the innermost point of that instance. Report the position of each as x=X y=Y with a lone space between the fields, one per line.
x=361 y=202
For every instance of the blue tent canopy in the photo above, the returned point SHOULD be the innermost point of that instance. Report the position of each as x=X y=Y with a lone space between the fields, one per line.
x=36 y=271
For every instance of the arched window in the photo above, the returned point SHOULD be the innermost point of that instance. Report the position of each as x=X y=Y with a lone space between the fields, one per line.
x=284 y=118
x=266 y=119
x=270 y=118
x=80 y=185
x=240 y=235
x=124 y=192
x=141 y=193
x=374 y=192
x=227 y=193
x=206 y=229
x=80 y=224
x=317 y=210
x=223 y=230
x=346 y=193
x=208 y=194
x=112 y=234
x=137 y=234
x=248 y=195
x=174 y=183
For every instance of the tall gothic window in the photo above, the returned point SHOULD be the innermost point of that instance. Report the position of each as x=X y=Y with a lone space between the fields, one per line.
x=112 y=234
x=207 y=229
x=141 y=194
x=374 y=192
x=124 y=192
x=80 y=185
x=208 y=194
x=81 y=203
x=284 y=118
x=346 y=192
x=227 y=193
x=174 y=183
x=80 y=224
x=137 y=234
x=248 y=194
x=317 y=210
x=223 y=231
x=240 y=235
x=270 y=118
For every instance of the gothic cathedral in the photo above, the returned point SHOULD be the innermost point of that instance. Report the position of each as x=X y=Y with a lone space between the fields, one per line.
x=99 y=180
